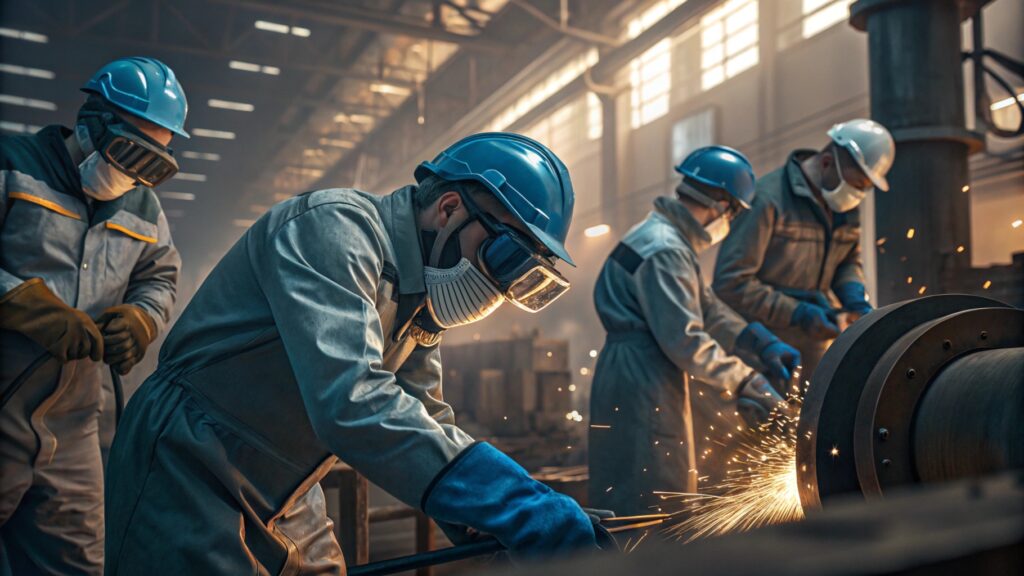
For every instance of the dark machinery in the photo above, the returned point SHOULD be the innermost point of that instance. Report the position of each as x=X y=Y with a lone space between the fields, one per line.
x=921 y=391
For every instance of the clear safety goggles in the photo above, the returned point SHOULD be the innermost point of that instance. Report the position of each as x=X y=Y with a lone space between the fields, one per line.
x=135 y=155
x=510 y=259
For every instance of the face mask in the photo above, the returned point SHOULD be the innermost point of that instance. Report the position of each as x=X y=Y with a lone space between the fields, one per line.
x=102 y=181
x=843 y=197
x=718 y=229
x=460 y=295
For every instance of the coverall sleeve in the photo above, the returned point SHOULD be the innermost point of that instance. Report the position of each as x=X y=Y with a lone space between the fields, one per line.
x=721 y=321
x=154 y=281
x=319 y=272
x=851 y=268
x=669 y=295
x=739 y=261
x=8 y=281
x=420 y=377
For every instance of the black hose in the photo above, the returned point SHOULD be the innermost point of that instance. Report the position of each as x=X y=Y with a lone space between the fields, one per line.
x=13 y=388
x=432 y=558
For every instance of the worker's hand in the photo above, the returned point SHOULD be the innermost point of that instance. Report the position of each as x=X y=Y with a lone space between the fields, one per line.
x=779 y=359
x=487 y=490
x=815 y=321
x=127 y=332
x=758 y=400
x=854 y=298
x=33 y=310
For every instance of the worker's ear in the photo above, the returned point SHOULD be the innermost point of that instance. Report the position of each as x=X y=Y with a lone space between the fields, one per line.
x=447 y=204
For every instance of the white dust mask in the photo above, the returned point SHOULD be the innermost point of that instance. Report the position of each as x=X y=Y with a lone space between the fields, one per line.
x=843 y=197
x=100 y=180
x=718 y=229
x=459 y=295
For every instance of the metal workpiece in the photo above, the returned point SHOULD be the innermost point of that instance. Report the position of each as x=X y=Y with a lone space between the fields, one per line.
x=920 y=391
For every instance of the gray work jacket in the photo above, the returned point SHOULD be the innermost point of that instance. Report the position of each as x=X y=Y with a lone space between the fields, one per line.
x=786 y=248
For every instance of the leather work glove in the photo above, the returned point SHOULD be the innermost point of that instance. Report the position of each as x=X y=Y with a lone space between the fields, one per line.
x=33 y=310
x=854 y=299
x=127 y=331
x=780 y=359
x=757 y=399
x=816 y=321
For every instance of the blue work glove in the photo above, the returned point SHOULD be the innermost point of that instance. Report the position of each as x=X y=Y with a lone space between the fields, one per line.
x=779 y=358
x=814 y=320
x=485 y=489
x=757 y=400
x=854 y=298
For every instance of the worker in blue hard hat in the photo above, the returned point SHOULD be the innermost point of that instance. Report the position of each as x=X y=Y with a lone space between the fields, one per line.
x=316 y=338
x=663 y=321
x=793 y=262
x=88 y=275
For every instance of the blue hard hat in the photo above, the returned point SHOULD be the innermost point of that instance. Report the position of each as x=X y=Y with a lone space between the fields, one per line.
x=143 y=87
x=525 y=176
x=721 y=167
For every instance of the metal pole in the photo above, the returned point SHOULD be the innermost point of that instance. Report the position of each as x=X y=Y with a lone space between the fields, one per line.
x=917 y=92
x=691 y=449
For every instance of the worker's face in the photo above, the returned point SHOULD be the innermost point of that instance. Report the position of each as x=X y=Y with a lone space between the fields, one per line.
x=848 y=170
x=450 y=206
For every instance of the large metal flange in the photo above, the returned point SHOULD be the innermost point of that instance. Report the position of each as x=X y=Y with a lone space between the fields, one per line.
x=825 y=448
x=882 y=435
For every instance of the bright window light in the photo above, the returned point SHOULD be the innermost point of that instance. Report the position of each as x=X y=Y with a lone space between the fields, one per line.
x=18 y=127
x=250 y=67
x=24 y=35
x=729 y=37
x=598 y=230
x=360 y=118
x=229 y=105
x=207 y=133
x=541 y=91
x=820 y=15
x=337 y=143
x=184 y=196
x=300 y=32
x=26 y=71
x=595 y=122
x=190 y=177
x=271 y=26
x=304 y=171
x=651 y=80
x=27 y=102
x=389 y=89
x=212 y=157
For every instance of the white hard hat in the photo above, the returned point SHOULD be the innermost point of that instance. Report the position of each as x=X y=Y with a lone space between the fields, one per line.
x=871 y=146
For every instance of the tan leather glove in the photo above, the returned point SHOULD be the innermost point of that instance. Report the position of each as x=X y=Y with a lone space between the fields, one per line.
x=127 y=332
x=33 y=310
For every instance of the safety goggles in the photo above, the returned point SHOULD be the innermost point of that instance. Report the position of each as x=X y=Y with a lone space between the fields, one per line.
x=510 y=259
x=710 y=196
x=130 y=151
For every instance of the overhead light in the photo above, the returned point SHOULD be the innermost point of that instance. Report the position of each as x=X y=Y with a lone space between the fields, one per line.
x=190 y=177
x=305 y=171
x=24 y=35
x=212 y=157
x=242 y=223
x=26 y=71
x=1005 y=102
x=268 y=26
x=229 y=105
x=250 y=67
x=313 y=152
x=222 y=134
x=389 y=89
x=19 y=127
x=186 y=196
x=595 y=231
x=336 y=143
x=27 y=102
x=1017 y=223
x=361 y=118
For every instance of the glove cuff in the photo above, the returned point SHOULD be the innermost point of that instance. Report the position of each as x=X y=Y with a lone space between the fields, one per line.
x=852 y=295
x=755 y=338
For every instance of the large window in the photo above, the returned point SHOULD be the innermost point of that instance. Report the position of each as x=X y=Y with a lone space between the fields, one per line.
x=650 y=75
x=543 y=90
x=819 y=15
x=692 y=132
x=728 y=41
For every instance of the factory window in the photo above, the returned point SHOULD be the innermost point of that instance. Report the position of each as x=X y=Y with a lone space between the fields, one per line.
x=650 y=75
x=728 y=41
x=692 y=132
x=543 y=90
x=819 y=15
x=595 y=123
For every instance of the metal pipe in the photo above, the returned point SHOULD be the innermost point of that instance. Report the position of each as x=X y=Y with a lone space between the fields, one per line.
x=970 y=421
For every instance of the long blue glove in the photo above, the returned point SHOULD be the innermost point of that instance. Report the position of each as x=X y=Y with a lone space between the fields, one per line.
x=486 y=490
x=854 y=298
x=815 y=321
x=779 y=358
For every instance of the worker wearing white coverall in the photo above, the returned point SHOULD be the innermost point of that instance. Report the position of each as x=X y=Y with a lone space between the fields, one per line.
x=662 y=320
x=316 y=337
x=88 y=276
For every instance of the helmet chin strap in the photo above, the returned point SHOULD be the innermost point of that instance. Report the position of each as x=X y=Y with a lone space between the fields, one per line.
x=444 y=235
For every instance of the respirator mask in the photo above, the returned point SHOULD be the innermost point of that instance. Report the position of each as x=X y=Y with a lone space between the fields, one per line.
x=843 y=197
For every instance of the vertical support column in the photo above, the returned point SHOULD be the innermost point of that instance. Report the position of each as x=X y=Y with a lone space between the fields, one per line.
x=609 y=162
x=352 y=518
x=917 y=92
x=424 y=540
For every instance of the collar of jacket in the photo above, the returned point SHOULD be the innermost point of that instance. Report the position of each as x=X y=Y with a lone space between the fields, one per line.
x=398 y=212
x=795 y=175
x=51 y=139
x=680 y=217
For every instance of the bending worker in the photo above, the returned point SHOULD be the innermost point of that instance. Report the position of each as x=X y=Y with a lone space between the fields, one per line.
x=316 y=337
x=83 y=236
x=663 y=320
x=801 y=239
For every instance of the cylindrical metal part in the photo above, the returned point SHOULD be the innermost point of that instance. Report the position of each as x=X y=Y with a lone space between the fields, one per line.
x=970 y=421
